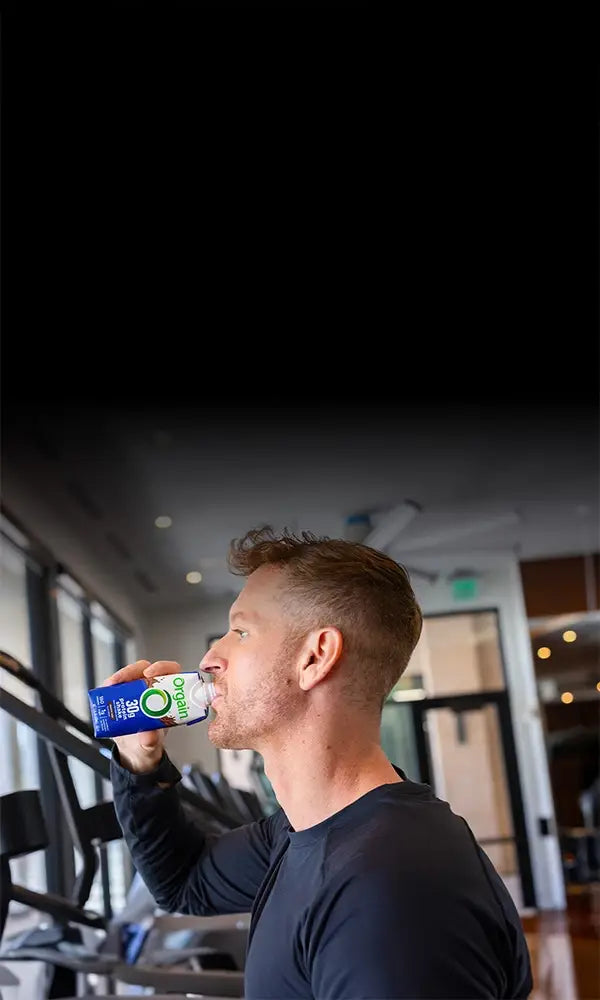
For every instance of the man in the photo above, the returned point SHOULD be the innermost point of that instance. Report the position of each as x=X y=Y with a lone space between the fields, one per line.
x=363 y=884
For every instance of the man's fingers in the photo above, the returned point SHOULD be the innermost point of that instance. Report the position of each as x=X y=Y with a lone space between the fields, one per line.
x=143 y=668
x=160 y=667
x=131 y=672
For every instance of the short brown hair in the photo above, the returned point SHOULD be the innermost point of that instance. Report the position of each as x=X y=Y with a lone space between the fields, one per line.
x=361 y=591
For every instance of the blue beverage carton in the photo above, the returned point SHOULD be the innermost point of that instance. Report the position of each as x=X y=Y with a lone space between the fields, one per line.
x=155 y=703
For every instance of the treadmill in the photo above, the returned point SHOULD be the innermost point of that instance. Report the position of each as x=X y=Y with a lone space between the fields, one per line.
x=149 y=955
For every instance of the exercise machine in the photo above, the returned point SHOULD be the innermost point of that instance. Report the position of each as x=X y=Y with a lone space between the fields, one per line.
x=203 y=954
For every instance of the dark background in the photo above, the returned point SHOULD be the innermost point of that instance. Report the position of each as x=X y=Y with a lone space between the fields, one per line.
x=241 y=210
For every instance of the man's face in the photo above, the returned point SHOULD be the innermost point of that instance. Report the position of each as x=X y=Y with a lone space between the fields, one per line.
x=253 y=668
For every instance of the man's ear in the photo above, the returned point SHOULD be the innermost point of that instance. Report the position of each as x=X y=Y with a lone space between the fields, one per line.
x=320 y=652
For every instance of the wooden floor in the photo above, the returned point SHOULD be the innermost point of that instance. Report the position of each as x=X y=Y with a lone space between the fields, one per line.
x=565 y=947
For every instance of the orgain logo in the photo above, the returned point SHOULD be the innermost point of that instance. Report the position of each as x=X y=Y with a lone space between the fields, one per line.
x=155 y=702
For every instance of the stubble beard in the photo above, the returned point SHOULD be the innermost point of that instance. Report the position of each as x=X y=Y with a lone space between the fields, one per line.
x=267 y=710
x=227 y=734
x=245 y=727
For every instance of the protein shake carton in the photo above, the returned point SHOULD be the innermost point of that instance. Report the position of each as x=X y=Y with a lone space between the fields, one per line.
x=155 y=703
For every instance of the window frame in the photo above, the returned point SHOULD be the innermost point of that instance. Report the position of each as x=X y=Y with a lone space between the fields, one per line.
x=43 y=581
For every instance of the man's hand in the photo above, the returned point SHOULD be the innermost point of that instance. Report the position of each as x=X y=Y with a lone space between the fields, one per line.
x=142 y=752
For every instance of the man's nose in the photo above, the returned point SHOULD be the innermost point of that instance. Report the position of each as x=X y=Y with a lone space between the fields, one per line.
x=211 y=664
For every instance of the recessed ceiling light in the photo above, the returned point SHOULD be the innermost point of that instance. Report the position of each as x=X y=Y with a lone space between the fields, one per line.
x=566 y=697
x=570 y=635
x=194 y=576
x=163 y=522
x=543 y=652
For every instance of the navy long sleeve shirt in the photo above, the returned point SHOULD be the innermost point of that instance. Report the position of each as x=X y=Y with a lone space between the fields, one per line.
x=389 y=898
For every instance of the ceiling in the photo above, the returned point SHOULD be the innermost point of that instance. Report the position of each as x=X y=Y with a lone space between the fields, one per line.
x=525 y=479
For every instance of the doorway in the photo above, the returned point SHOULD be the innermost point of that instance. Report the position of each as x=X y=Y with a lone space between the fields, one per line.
x=463 y=747
x=447 y=723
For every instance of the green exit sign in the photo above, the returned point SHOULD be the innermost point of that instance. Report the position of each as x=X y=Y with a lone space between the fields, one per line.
x=464 y=588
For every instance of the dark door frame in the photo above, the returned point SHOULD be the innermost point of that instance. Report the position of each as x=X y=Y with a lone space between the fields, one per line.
x=464 y=703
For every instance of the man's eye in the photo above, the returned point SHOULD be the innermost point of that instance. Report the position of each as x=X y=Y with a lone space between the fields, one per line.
x=241 y=632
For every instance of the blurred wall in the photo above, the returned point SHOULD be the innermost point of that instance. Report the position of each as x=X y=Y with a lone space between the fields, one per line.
x=561 y=586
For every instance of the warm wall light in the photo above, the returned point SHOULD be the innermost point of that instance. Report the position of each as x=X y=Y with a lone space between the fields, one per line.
x=598 y=686
x=543 y=652
x=163 y=522
x=194 y=577
x=570 y=635
x=566 y=697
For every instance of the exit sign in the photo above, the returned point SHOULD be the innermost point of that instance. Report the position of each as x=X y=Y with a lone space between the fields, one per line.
x=464 y=588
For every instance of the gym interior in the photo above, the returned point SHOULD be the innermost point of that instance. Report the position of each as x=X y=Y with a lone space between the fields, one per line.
x=498 y=709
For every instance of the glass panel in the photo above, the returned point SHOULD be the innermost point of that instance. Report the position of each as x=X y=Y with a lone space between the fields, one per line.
x=74 y=695
x=118 y=858
x=468 y=772
x=566 y=656
x=103 y=643
x=457 y=654
x=74 y=686
x=19 y=757
x=120 y=873
x=72 y=661
x=398 y=738
x=263 y=787
x=130 y=652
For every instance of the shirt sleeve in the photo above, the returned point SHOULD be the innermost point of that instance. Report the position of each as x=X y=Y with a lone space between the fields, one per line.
x=186 y=870
x=372 y=940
